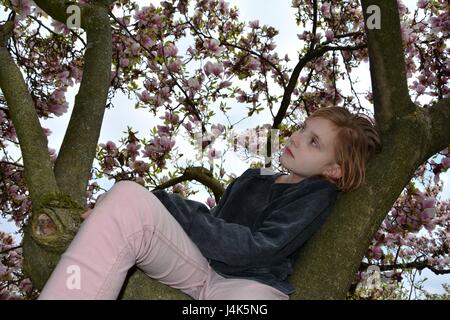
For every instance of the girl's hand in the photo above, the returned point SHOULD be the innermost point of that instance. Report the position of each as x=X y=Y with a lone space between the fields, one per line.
x=86 y=214
x=89 y=211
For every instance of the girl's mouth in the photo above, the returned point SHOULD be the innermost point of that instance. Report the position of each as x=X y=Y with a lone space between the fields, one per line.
x=290 y=152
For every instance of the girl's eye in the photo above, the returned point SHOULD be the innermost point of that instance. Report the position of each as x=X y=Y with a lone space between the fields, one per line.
x=302 y=128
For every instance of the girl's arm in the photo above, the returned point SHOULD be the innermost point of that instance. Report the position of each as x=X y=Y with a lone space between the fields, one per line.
x=282 y=233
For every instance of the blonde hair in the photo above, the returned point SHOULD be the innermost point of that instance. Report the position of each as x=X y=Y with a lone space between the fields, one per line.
x=357 y=139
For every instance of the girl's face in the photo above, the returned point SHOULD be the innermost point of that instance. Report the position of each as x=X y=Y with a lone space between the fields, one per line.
x=310 y=151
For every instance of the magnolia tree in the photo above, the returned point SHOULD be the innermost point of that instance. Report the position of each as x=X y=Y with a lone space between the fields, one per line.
x=186 y=61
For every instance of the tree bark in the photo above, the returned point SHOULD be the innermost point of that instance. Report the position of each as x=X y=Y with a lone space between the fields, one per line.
x=74 y=162
x=410 y=135
x=32 y=140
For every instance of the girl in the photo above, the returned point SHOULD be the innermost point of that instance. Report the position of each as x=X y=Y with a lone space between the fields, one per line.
x=245 y=247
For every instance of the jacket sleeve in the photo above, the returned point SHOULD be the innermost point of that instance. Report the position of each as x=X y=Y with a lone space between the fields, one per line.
x=283 y=232
x=223 y=198
x=184 y=210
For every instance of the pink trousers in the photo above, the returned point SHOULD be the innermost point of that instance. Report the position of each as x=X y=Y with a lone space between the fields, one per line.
x=130 y=226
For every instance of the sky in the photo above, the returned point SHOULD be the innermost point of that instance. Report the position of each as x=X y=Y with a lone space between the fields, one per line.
x=278 y=14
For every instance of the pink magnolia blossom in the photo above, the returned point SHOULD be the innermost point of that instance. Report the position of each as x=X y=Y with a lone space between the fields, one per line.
x=110 y=147
x=174 y=66
x=429 y=202
x=218 y=128
x=2 y=116
x=108 y=164
x=156 y=21
x=253 y=64
x=211 y=202
x=191 y=51
x=427 y=214
x=113 y=75
x=325 y=9
x=167 y=143
x=329 y=34
x=170 y=50
x=26 y=286
x=124 y=62
x=144 y=96
x=224 y=7
x=401 y=7
x=172 y=118
x=162 y=130
x=148 y=42
x=76 y=73
x=254 y=24
x=132 y=149
x=23 y=7
x=58 y=109
x=151 y=84
x=446 y=162
x=53 y=154
x=224 y=84
x=140 y=166
x=306 y=35
x=213 y=45
x=135 y=48
x=164 y=93
x=242 y=97
x=179 y=188
x=188 y=126
x=213 y=154
x=64 y=78
x=60 y=27
x=377 y=252
x=194 y=84
x=150 y=151
x=213 y=68
x=47 y=131
x=420 y=89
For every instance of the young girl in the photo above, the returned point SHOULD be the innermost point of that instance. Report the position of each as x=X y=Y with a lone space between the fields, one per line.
x=245 y=247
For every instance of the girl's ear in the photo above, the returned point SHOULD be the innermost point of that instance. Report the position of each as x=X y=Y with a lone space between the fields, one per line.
x=334 y=171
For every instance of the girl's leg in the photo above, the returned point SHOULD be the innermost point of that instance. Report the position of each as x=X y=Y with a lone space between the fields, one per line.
x=220 y=288
x=128 y=226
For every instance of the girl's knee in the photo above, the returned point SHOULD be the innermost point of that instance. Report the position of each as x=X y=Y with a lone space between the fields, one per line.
x=130 y=200
x=124 y=192
x=119 y=200
x=127 y=186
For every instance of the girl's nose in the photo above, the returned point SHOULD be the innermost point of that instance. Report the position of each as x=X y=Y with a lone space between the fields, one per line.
x=295 y=139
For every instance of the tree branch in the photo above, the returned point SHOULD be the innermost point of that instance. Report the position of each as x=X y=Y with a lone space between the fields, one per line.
x=74 y=162
x=419 y=265
x=33 y=142
x=57 y=9
x=10 y=249
x=314 y=27
x=199 y=174
x=438 y=115
x=387 y=64
x=309 y=56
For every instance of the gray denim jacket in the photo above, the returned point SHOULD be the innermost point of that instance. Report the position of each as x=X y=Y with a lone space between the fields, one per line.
x=259 y=227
